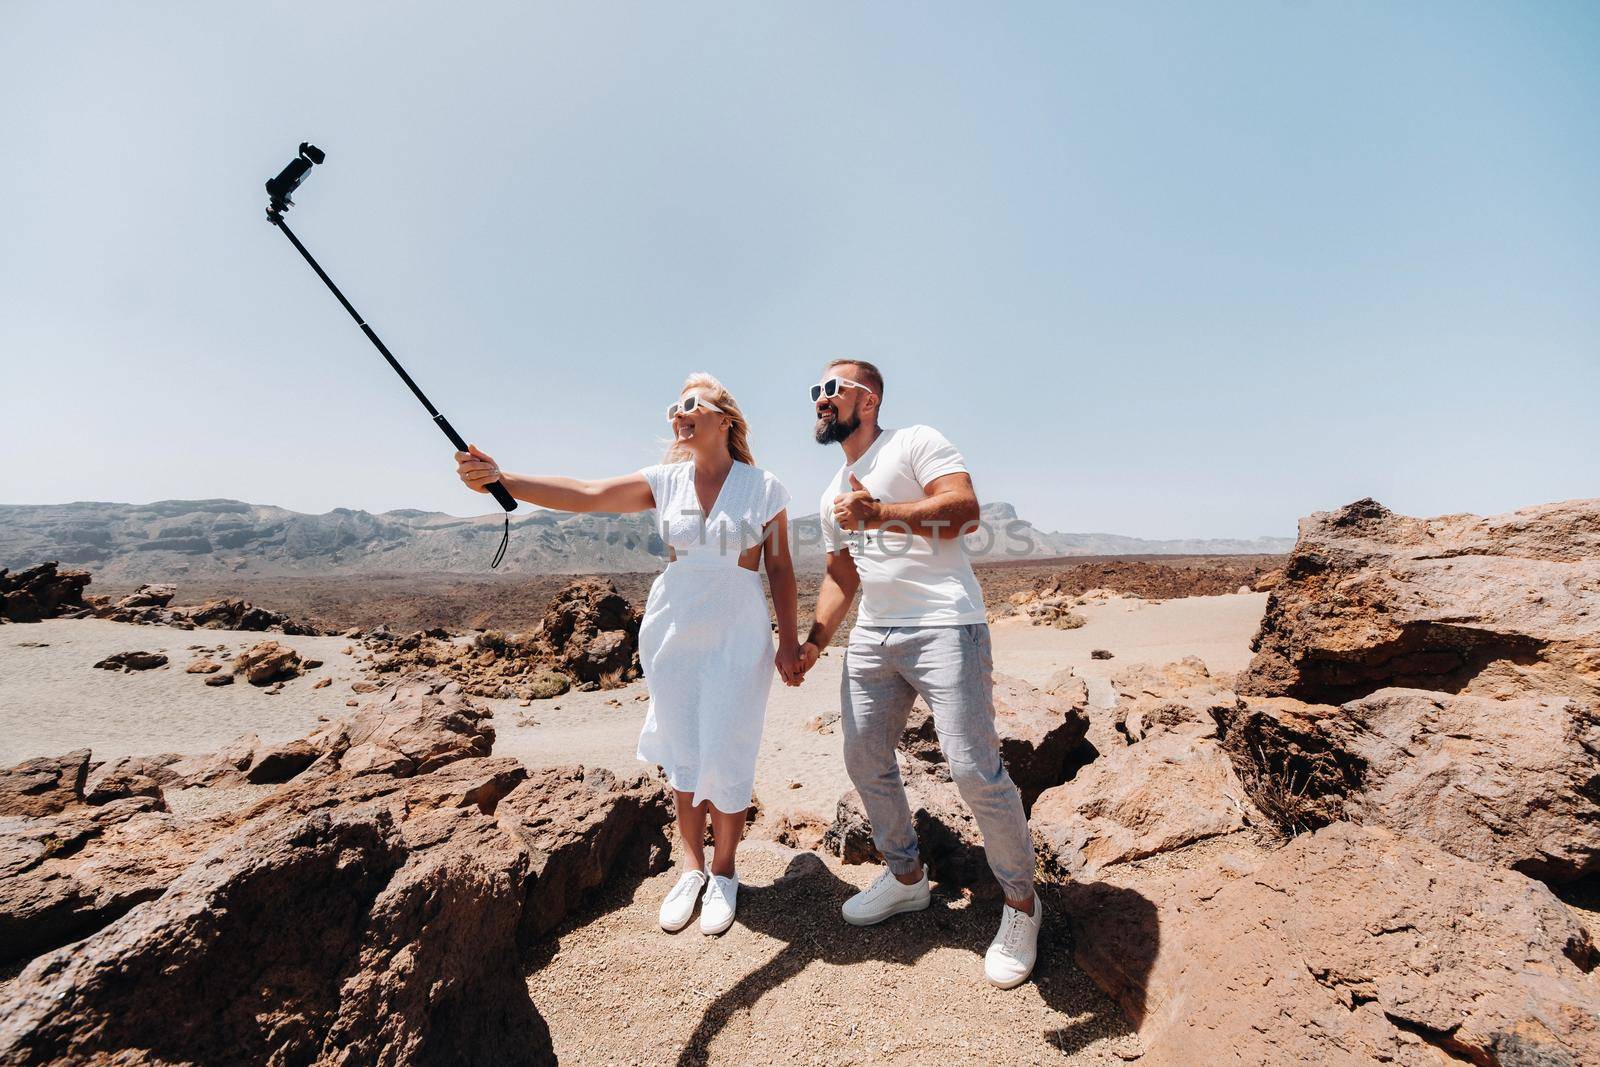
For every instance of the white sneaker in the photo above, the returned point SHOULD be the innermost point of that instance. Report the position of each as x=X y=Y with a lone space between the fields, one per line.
x=722 y=897
x=885 y=897
x=1015 y=947
x=678 y=908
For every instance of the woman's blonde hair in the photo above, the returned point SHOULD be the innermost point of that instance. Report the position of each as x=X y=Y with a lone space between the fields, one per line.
x=738 y=430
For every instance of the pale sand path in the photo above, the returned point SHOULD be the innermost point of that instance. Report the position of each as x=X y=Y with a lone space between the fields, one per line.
x=790 y=983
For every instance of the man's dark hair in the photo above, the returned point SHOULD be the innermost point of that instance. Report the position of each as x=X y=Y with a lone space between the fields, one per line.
x=870 y=376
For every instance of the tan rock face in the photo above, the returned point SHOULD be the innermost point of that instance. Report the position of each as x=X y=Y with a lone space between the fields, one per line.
x=1169 y=790
x=1161 y=780
x=1350 y=945
x=1497 y=606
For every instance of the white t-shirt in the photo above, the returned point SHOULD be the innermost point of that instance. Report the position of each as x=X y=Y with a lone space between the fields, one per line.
x=906 y=579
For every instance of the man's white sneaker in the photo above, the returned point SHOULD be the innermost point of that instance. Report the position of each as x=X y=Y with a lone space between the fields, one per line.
x=1015 y=947
x=885 y=897
x=678 y=908
x=722 y=897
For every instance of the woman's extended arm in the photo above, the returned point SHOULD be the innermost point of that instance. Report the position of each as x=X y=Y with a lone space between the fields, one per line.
x=785 y=601
x=627 y=492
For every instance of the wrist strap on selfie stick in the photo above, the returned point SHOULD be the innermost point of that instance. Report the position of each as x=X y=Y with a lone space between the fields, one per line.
x=279 y=189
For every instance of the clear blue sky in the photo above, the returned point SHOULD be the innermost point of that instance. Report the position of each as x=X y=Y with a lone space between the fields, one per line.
x=1158 y=269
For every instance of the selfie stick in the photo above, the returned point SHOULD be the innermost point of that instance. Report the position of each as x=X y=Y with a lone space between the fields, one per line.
x=278 y=189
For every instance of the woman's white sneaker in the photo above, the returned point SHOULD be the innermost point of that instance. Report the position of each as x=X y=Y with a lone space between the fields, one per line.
x=678 y=908
x=885 y=897
x=722 y=898
x=1015 y=947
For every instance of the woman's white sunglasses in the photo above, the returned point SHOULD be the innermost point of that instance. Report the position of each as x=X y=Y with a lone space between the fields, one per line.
x=829 y=387
x=691 y=404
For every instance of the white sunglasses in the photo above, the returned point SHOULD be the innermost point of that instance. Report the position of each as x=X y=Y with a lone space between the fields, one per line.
x=691 y=404
x=829 y=387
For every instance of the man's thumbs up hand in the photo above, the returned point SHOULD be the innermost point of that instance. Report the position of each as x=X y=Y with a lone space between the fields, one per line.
x=857 y=509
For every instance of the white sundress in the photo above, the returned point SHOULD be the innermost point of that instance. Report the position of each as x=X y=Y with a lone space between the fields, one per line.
x=706 y=638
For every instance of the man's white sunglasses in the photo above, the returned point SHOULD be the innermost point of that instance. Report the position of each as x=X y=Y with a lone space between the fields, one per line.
x=829 y=387
x=691 y=404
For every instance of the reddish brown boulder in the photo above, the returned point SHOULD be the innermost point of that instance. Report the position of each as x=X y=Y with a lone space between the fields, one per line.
x=1350 y=945
x=280 y=763
x=41 y=592
x=133 y=661
x=1159 y=780
x=580 y=825
x=1510 y=783
x=149 y=596
x=267 y=662
x=226 y=766
x=1497 y=606
x=63 y=876
x=44 y=785
x=1174 y=787
x=592 y=632
x=412 y=726
x=155 y=768
x=302 y=938
x=120 y=785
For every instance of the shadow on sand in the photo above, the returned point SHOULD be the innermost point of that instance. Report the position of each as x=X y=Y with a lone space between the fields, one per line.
x=801 y=910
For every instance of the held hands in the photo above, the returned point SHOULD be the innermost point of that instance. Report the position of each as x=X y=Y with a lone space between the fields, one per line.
x=794 y=663
x=787 y=662
x=477 y=469
x=856 y=509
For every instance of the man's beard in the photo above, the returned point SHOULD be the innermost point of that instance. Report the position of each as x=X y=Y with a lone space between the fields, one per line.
x=833 y=431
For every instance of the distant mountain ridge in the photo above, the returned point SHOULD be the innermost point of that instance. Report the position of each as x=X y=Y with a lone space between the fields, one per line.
x=168 y=539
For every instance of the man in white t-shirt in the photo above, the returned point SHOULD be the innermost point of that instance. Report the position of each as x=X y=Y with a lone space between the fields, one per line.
x=892 y=521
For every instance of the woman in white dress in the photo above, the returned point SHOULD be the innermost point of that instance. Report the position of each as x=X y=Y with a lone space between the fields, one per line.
x=706 y=639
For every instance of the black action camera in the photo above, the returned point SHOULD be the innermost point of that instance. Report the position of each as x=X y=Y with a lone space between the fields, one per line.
x=290 y=177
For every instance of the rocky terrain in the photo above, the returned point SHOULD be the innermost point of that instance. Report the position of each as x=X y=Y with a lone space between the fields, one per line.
x=406 y=603
x=588 y=638
x=365 y=895
x=172 y=540
x=1380 y=843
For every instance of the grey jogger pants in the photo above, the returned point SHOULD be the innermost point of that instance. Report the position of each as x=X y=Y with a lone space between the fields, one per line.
x=885 y=669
